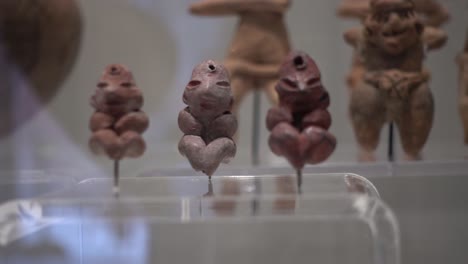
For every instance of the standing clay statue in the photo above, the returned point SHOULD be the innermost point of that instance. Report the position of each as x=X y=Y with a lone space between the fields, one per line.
x=431 y=12
x=207 y=123
x=259 y=46
x=118 y=122
x=394 y=84
x=299 y=125
x=462 y=60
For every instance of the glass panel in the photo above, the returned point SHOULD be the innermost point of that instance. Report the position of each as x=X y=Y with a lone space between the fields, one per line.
x=281 y=229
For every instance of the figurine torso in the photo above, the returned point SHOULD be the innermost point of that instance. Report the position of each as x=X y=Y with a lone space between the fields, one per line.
x=410 y=60
x=261 y=38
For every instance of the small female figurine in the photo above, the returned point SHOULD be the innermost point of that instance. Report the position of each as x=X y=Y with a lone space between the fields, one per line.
x=299 y=125
x=259 y=46
x=393 y=86
x=432 y=13
x=118 y=122
x=462 y=60
x=207 y=123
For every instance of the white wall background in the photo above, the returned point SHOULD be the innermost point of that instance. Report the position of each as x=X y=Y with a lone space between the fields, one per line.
x=161 y=43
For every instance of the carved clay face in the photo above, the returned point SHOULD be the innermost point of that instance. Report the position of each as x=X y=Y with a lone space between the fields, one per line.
x=209 y=90
x=392 y=25
x=300 y=82
x=116 y=92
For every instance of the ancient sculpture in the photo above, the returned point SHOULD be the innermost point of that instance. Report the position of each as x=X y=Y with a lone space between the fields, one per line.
x=40 y=39
x=118 y=122
x=393 y=86
x=207 y=123
x=462 y=60
x=299 y=125
x=259 y=46
x=431 y=12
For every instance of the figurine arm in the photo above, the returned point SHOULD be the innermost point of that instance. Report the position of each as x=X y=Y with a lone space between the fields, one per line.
x=224 y=126
x=229 y=7
x=100 y=121
x=188 y=124
x=318 y=118
x=353 y=36
x=353 y=9
x=462 y=59
x=134 y=121
x=277 y=115
x=434 y=38
x=434 y=13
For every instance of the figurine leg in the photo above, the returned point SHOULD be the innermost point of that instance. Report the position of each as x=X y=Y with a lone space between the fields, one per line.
x=135 y=121
x=240 y=86
x=322 y=142
x=207 y=158
x=368 y=115
x=106 y=142
x=415 y=122
x=133 y=144
x=463 y=108
x=356 y=74
x=284 y=141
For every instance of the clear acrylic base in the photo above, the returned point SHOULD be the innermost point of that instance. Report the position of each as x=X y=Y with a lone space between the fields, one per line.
x=328 y=228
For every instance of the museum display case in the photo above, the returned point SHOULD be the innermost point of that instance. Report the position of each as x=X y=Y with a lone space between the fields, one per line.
x=233 y=131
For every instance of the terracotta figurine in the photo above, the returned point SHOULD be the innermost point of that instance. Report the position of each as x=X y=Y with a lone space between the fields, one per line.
x=299 y=125
x=207 y=123
x=259 y=46
x=462 y=60
x=118 y=122
x=432 y=14
x=394 y=83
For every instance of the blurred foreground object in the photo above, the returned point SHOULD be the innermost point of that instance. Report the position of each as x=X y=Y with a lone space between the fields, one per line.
x=41 y=39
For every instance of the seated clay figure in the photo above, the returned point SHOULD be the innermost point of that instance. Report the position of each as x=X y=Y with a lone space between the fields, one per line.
x=394 y=84
x=299 y=125
x=118 y=122
x=462 y=60
x=207 y=123
x=259 y=46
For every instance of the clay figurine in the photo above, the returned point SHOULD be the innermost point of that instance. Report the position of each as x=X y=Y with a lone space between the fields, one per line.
x=259 y=46
x=432 y=14
x=207 y=123
x=118 y=122
x=462 y=60
x=299 y=125
x=394 y=83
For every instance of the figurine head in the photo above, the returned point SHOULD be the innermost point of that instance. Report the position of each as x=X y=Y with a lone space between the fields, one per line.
x=392 y=25
x=300 y=84
x=209 y=90
x=116 y=92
